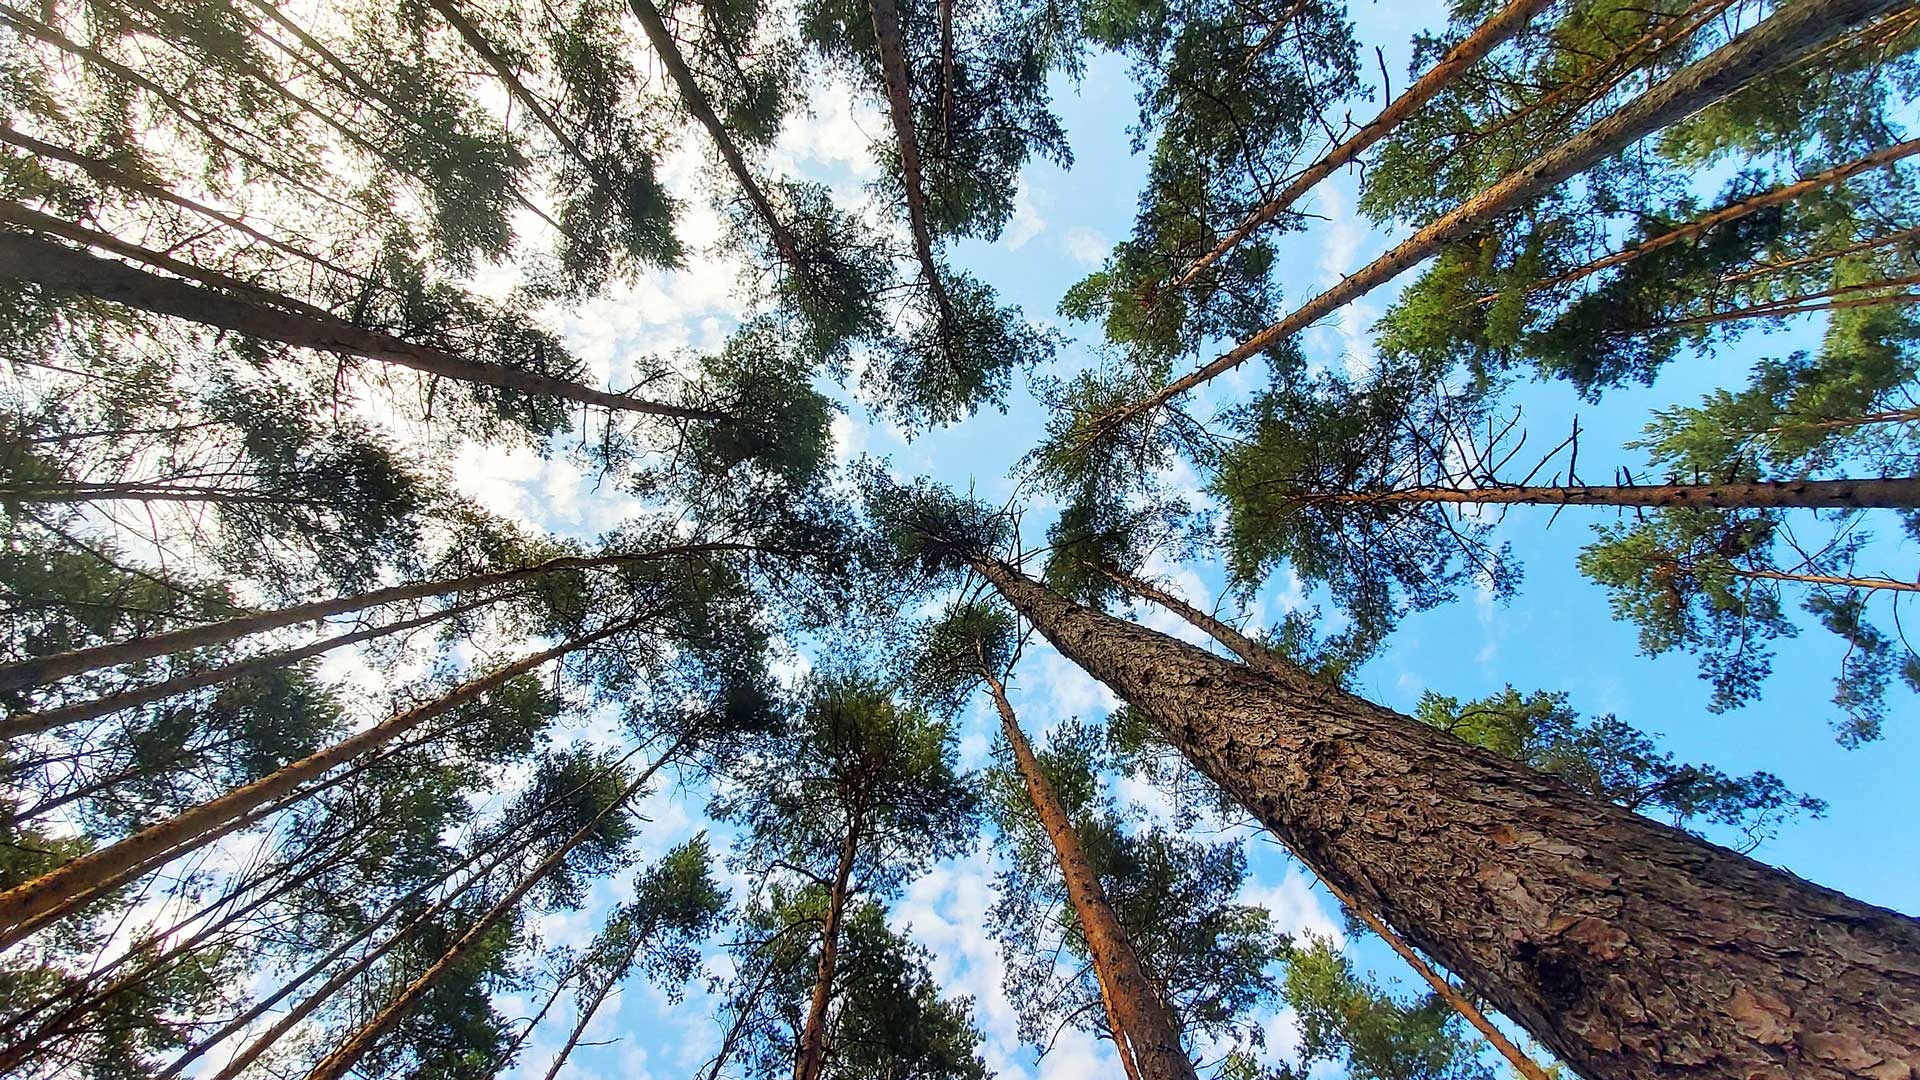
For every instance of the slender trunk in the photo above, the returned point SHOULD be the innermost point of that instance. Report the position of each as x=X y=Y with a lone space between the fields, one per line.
x=343 y=1059
x=62 y=268
x=696 y=102
x=893 y=62
x=1798 y=305
x=599 y=998
x=1870 y=584
x=1629 y=949
x=61 y=890
x=46 y=669
x=946 y=74
x=1897 y=493
x=33 y=722
x=134 y=491
x=1733 y=212
x=1791 y=32
x=106 y=173
x=1137 y=1012
x=812 y=1057
x=1505 y=23
x=1758 y=270
x=732 y=1037
x=1250 y=652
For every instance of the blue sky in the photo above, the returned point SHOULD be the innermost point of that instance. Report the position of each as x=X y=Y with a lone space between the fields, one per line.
x=1557 y=634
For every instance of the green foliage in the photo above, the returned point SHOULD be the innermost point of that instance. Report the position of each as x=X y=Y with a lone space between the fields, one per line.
x=1343 y=1018
x=955 y=360
x=952 y=652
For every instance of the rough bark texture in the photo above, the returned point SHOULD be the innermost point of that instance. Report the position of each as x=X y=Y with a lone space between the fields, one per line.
x=1505 y=23
x=812 y=1056
x=1142 y=1023
x=337 y=1064
x=893 y=63
x=1789 y=33
x=1260 y=659
x=1628 y=948
x=73 y=883
x=45 y=669
x=64 y=269
x=1897 y=492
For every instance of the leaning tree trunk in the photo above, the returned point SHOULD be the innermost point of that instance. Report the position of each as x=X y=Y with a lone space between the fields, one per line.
x=1503 y=24
x=72 y=884
x=1144 y=1027
x=1628 y=948
x=599 y=998
x=1791 y=32
x=812 y=1056
x=64 y=269
x=344 y=1058
x=1896 y=493
x=1261 y=659
x=893 y=62
x=45 y=669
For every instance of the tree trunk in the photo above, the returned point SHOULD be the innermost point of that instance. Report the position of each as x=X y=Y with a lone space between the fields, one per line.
x=1870 y=584
x=61 y=890
x=1629 y=949
x=1785 y=36
x=1734 y=212
x=1143 y=1024
x=893 y=62
x=812 y=1056
x=946 y=74
x=1896 y=493
x=1261 y=659
x=343 y=1059
x=64 y=269
x=46 y=669
x=1505 y=23
x=592 y=1006
x=30 y=723
x=696 y=102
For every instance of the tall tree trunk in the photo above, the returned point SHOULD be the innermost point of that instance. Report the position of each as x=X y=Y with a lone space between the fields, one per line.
x=812 y=1056
x=343 y=1059
x=1897 y=493
x=1629 y=949
x=29 y=723
x=73 y=883
x=1503 y=24
x=1143 y=1024
x=1732 y=212
x=599 y=998
x=1789 y=33
x=946 y=74
x=893 y=63
x=1261 y=659
x=64 y=269
x=696 y=102
x=46 y=669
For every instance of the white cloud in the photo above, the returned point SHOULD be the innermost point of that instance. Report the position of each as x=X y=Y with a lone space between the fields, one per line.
x=1029 y=219
x=1086 y=246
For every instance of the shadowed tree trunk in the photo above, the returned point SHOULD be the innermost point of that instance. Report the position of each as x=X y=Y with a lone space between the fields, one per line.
x=893 y=62
x=1628 y=948
x=1144 y=1028
x=812 y=1056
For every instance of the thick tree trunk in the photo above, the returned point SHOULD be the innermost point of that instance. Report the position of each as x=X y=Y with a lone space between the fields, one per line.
x=1505 y=23
x=1629 y=949
x=1259 y=658
x=343 y=1059
x=893 y=63
x=812 y=1056
x=1789 y=33
x=1733 y=212
x=64 y=269
x=1897 y=493
x=30 y=723
x=73 y=883
x=46 y=669
x=696 y=102
x=1143 y=1024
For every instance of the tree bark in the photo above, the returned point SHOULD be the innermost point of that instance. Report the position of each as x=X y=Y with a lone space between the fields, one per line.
x=1145 y=1028
x=812 y=1056
x=1788 y=34
x=46 y=669
x=64 y=269
x=1505 y=23
x=1895 y=492
x=63 y=889
x=886 y=31
x=343 y=1059
x=30 y=723
x=1628 y=948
